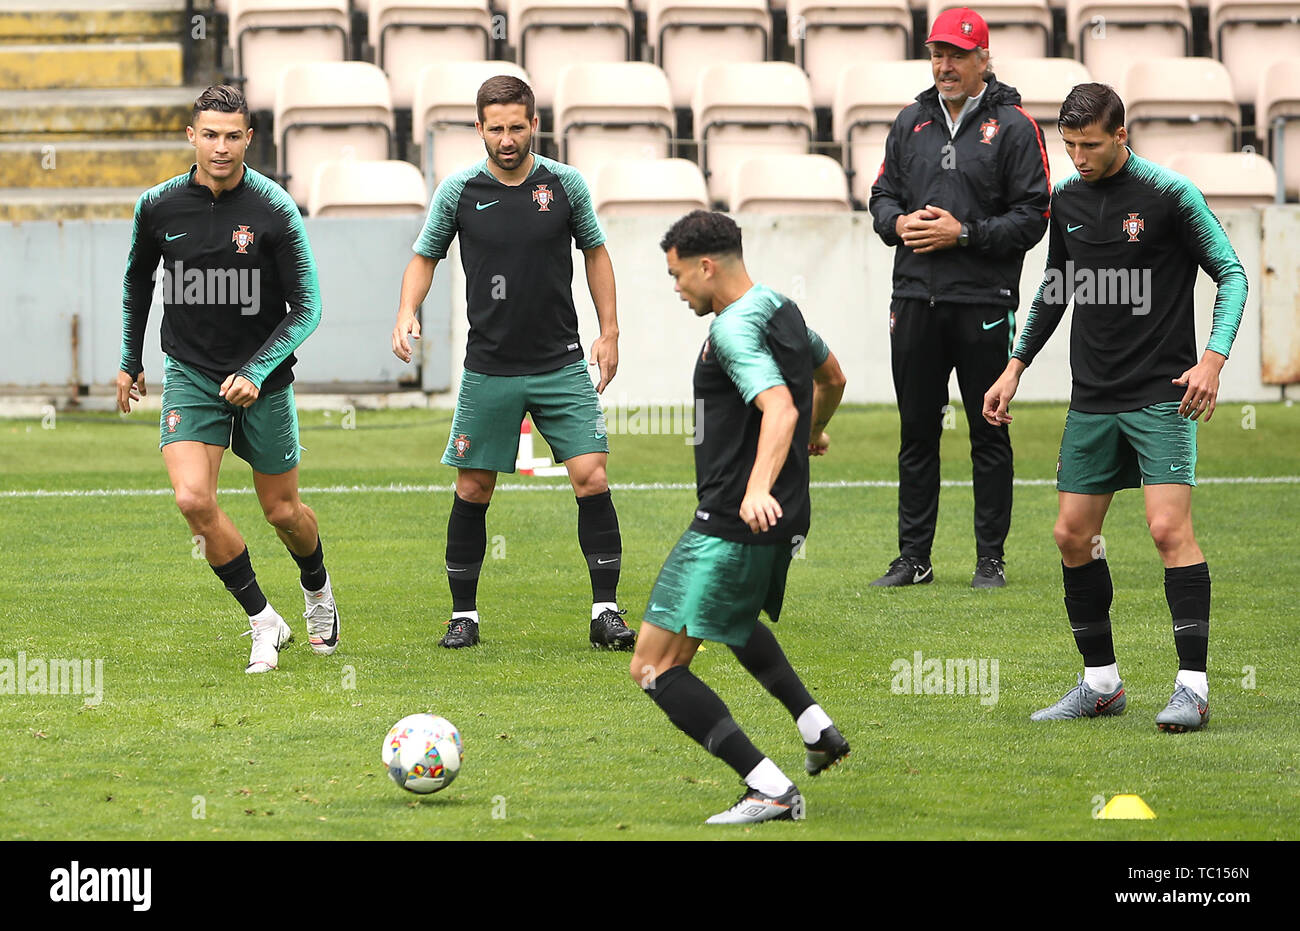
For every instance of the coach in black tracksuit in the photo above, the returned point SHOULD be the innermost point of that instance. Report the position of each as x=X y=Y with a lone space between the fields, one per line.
x=963 y=193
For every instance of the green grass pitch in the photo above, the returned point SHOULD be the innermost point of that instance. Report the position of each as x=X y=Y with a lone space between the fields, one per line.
x=559 y=743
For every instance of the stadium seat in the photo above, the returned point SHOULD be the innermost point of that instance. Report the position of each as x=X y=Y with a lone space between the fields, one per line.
x=746 y=109
x=830 y=35
x=1059 y=165
x=687 y=35
x=354 y=188
x=443 y=117
x=1249 y=35
x=551 y=34
x=1017 y=28
x=267 y=35
x=1277 y=119
x=408 y=34
x=612 y=110
x=789 y=184
x=1043 y=84
x=329 y=110
x=667 y=187
x=1229 y=179
x=1109 y=35
x=1180 y=105
x=868 y=97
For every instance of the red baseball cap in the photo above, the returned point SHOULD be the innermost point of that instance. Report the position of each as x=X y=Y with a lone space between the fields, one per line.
x=962 y=27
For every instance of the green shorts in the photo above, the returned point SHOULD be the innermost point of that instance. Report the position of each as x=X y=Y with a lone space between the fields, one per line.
x=1102 y=453
x=714 y=588
x=490 y=408
x=264 y=434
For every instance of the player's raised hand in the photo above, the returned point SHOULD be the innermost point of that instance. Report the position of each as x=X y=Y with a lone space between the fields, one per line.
x=760 y=510
x=129 y=389
x=239 y=391
x=406 y=326
x=1202 y=383
x=604 y=353
x=818 y=445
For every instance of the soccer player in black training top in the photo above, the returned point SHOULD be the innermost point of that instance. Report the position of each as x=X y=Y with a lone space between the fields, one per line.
x=516 y=214
x=1126 y=238
x=766 y=386
x=234 y=252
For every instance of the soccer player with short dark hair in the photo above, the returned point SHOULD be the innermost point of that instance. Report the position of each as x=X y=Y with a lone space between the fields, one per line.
x=234 y=253
x=766 y=386
x=516 y=214
x=1126 y=239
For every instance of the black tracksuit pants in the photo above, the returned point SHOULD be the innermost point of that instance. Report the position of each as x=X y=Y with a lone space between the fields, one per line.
x=926 y=342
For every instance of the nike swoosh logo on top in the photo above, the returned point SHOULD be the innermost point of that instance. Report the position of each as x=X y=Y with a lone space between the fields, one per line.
x=989 y=326
x=170 y=237
x=920 y=126
x=478 y=206
x=1070 y=228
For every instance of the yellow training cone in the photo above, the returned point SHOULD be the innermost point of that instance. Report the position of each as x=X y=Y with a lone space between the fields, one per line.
x=1128 y=807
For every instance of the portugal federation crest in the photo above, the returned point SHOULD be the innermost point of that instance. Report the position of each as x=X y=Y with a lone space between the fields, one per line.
x=1133 y=225
x=173 y=419
x=243 y=238
x=543 y=195
x=988 y=129
x=461 y=445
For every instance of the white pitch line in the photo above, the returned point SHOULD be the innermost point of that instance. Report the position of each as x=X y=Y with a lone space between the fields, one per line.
x=634 y=486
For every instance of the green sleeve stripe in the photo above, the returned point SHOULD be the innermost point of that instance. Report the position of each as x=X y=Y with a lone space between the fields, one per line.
x=138 y=281
x=820 y=351
x=440 y=226
x=297 y=269
x=1210 y=245
x=738 y=337
x=587 y=233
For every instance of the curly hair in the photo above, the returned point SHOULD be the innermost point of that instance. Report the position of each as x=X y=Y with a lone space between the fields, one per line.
x=702 y=232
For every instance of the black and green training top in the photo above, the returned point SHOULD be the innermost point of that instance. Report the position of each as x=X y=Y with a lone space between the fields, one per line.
x=230 y=266
x=515 y=246
x=1126 y=248
x=758 y=342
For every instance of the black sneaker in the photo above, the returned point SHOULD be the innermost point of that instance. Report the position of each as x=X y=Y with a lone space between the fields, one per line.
x=461 y=632
x=990 y=572
x=830 y=748
x=609 y=631
x=906 y=570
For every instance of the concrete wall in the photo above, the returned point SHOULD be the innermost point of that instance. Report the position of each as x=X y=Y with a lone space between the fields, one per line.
x=834 y=266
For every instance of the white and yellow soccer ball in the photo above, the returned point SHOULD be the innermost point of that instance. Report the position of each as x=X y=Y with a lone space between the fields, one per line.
x=422 y=753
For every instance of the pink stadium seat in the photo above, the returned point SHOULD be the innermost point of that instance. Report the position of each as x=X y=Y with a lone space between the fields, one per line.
x=868 y=97
x=1277 y=119
x=408 y=34
x=612 y=110
x=687 y=35
x=830 y=35
x=1109 y=35
x=330 y=110
x=267 y=35
x=356 y=188
x=1229 y=180
x=747 y=109
x=668 y=187
x=1043 y=84
x=789 y=184
x=1249 y=35
x=1178 y=105
x=550 y=34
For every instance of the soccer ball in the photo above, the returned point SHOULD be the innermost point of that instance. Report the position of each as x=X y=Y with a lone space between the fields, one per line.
x=422 y=753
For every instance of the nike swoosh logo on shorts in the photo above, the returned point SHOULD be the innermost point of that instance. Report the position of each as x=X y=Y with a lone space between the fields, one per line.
x=170 y=237
x=288 y=456
x=989 y=326
x=1174 y=468
x=1071 y=228
x=478 y=206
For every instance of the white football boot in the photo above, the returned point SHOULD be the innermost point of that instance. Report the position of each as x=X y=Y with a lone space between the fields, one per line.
x=269 y=635
x=322 y=620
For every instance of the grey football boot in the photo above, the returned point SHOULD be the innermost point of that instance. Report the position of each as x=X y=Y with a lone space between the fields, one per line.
x=1083 y=701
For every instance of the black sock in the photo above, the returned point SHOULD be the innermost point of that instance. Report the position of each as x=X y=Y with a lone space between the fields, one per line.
x=601 y=543
x=1187 y=589
x=239 y=579
x=763 y=659
x=1088 y=593
x=311 y=569
x=466 y=544
x=702 y=716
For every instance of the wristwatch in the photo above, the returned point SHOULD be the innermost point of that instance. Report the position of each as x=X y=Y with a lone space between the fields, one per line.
x=963 y=238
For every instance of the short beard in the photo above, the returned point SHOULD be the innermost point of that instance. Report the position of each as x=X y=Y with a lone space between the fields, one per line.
x=523 y=155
